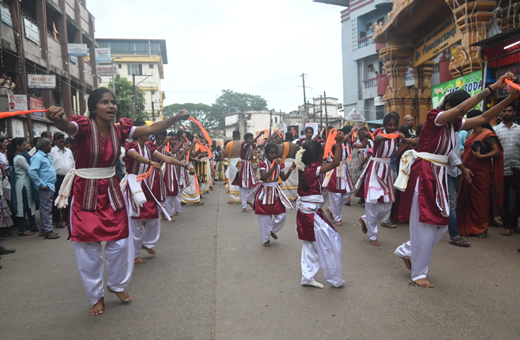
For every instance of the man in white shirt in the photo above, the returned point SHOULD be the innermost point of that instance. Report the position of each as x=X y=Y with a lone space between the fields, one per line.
x=63 y=160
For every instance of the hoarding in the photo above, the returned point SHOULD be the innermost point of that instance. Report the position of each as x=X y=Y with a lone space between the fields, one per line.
x=103 y=55
x=78 y=50
x=41 y=81
x=471 y=83
x=36 y=104
x=31 y=31
x=17 y=102
x=6 y=15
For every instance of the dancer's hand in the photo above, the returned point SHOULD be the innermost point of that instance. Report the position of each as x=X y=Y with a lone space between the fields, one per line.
x=156 y=165
x=183 y=115
x=277 y=161
x=55 y=112
x=514 y=93
x=501 y=83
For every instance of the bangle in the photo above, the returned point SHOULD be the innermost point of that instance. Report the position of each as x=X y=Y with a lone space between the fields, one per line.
x=490 y=89
x=149 y=162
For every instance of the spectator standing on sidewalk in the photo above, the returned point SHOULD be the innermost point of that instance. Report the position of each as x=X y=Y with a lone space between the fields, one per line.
x=43 y=175
x=63 y=160
x=509 y=134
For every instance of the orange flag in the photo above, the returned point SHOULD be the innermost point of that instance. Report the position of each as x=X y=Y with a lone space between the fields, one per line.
x=331 y=138
x=16 y=113
x=204 y=132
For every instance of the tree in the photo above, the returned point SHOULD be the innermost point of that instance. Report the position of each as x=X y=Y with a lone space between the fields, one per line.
x=124 y=93
x=230 y=101
x=200 y=112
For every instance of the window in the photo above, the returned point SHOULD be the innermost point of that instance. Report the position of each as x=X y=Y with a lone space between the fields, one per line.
x=370 y=67
x=153 y=92
x=136 y=69
x=120 y=66
x=362 y=34
x=275 y=120
x=381 y=21
x=150 y=65
x=369 y=26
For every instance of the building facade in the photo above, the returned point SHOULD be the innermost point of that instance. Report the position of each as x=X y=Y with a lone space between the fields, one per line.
x=142 y=62
x=36 y=38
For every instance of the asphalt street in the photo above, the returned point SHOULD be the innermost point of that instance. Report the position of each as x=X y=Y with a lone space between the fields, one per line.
x=213 y=279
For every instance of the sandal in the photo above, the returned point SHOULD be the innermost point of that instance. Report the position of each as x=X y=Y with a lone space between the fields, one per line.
x=25 y=233
x=506 y=232
x=459 y=242
x=482 y=235
x=51 y=236
x=388 y=225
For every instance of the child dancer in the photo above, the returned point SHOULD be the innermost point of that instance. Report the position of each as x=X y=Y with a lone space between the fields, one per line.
x=270 y=199
x=247 y=177
x=341 y=185
x=375 y=184
x=321 y=243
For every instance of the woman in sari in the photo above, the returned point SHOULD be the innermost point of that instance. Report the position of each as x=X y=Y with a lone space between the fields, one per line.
x=484 y=157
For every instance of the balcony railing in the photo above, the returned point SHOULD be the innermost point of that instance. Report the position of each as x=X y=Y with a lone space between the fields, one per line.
x=368 y=83
x=364 y=42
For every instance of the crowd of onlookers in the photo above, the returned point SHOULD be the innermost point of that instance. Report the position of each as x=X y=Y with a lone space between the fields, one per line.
x=31 y=177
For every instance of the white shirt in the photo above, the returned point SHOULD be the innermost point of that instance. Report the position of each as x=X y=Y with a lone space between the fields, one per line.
x=63 y=161
x=454 y=159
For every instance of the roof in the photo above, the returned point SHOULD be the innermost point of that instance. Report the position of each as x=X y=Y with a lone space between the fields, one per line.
x=499 y=38
x=344 y=3
x=162 y=42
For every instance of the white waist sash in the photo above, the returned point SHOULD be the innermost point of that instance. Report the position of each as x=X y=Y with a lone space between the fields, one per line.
x=309 y=204
x=407 y=161
x=381 y=160
x=62 y=201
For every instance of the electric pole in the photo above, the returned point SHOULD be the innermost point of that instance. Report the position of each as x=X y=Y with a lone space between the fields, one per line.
x=134 y=115
x=304 y=101
x=321 y=112
x=270 y=121
x=326 y=115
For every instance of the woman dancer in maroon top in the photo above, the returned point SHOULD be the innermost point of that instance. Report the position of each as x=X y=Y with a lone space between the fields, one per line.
x=425 y=200
x=98 y=211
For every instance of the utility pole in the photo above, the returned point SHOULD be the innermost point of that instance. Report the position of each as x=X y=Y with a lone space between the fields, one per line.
x=326 y=115
x=321 y=112
x=304 y=101
x=270 y=121
x=134 y=115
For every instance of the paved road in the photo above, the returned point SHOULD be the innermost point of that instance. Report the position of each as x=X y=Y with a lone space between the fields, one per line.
x=212 y=278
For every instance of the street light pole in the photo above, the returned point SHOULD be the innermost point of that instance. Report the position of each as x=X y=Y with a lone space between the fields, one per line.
x=134 y=115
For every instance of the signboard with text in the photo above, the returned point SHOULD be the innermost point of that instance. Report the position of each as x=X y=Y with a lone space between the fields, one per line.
x=440 y=39
x=78 y=50
x=6 y=15
x=18 y=102
x=41 y=81
x=471 y=83
x=31 y=31
x=36 y=104
x=103 y=55
x=107 y=70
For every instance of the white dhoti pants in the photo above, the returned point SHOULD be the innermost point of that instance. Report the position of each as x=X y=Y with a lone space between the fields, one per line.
x=373 y=213
x=423 y=237
x=243 y=193
x=325 y=252
x=169 y=204
x=177 y=204
x=268 y=225
x=325 y=195
x=90 y=265
x=145 y=236
x=337 y=200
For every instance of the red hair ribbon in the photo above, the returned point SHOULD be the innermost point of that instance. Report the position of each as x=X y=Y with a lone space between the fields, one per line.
x=16 y=113
x=204 y=132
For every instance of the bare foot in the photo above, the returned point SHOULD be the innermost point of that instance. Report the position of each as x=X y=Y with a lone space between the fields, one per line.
x=199 y=203
x=230 y=202
x=339 y=224
x=423 y=283
x=172 y=219
x=375 y=243
x=139 y=260
x=98 y=308
x=267 y=244
x=244 y=210
x=330 y=214
x=407 y=263
x=176 y=214
x=149 y=250
x=363 y=226
x=313 y=284
x=123 y=296
x=273 y=235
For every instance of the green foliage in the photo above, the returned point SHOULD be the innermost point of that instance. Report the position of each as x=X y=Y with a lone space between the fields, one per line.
x=198 y=111
x=123 y=91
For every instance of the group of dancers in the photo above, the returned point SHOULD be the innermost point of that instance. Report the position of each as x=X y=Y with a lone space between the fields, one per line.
x=161 y=176
x=321 y=174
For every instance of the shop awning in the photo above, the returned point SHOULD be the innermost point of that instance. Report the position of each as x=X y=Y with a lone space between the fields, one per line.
x=495 y=51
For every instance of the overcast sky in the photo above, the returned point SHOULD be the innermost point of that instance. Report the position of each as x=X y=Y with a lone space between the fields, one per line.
x=259 y=47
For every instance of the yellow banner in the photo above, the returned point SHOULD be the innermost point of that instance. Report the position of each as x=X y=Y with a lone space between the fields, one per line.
x=440 y=39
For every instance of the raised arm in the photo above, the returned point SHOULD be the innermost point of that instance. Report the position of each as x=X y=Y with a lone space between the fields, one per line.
x=491 y=113
x=461 y=109
x=57 y=115
x=258 y=136
x=335 y=161
x=162 y=125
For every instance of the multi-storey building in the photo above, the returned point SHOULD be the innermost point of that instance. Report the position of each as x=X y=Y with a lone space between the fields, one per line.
x=142 y=62
x=36 y=38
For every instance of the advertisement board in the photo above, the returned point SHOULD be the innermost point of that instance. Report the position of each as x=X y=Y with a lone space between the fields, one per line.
x=6 y=15
x=103 y=55
x=78 y=50
x=17 y=102
x=31 y=31
x=471 y=83
x=107 y=70
x=41 y=81
x=36 y=104
x=444 y=36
